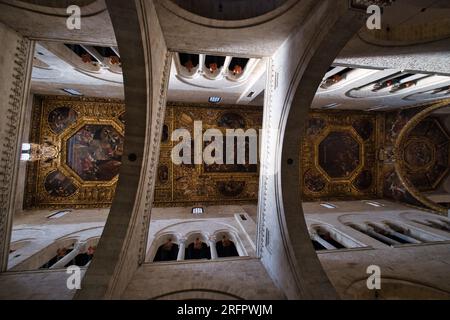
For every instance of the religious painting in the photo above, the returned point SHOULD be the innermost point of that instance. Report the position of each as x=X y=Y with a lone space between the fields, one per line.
x=314 y=181
x=213 y=184
x=58 y=185
x=363 y=180
x=60 y=118
x=95 y=152
x=122 y=118
x=232 y=167
x=88 y=135
x=418 y=154
x=364 y=127
x=394 y=189
x=339 y=154
x=165 y=133
x=426 y=155
x=163 y=173
x=396 y=121
x=231 y=188
x=231 y=120
x=314 y=126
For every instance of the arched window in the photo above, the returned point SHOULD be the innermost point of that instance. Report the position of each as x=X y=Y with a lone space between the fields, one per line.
x=438 y=224
x=83 y=253
x=226 y=248
x=59 y=255
x=168 y=251
x=325 y=239
x=198 y=249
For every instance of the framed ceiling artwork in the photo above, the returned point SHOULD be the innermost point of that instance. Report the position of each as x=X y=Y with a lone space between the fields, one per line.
x=88 y=136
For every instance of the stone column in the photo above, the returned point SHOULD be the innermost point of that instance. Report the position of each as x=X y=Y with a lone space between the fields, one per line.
x=181 y=249
x=212 y=246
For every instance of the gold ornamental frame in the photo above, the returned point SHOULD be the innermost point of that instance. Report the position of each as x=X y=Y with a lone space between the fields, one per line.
x=398 y=150
x=88 y=194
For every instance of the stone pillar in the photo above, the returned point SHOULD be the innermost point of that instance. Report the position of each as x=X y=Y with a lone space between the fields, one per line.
x=212 y=247
x=181 y=249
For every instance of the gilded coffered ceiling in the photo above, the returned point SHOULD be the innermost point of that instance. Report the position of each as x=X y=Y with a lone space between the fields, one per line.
x=87 y=135
x=345 y=155
x=188 y=184
x=339 y=155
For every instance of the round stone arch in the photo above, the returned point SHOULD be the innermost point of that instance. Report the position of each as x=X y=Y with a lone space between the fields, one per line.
x=309 y=275
x=196 y=294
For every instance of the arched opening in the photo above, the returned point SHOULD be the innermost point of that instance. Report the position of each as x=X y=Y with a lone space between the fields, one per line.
x=225 y=247
x=197 y=248
x=168 y=251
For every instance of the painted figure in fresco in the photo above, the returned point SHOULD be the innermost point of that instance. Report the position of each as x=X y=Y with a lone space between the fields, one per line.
x=231 y=120
x=58 y=185
x=231 y=188
x=314 y=126
x=61 y=118
x=95 y=152
x=314 y=181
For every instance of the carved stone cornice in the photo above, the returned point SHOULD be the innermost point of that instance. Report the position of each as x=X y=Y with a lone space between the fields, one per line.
x=10 y=142
x=153 y=158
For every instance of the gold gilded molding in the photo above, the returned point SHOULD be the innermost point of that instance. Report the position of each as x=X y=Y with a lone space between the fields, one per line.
x=316 y=183
x=399 y=165
x=89 y=111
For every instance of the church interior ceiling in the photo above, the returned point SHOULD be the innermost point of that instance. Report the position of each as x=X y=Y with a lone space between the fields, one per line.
x=426 y=155
x=339 y=155
x=87 y=135
x=345 y=155
x=189 y=184
x=421 y=159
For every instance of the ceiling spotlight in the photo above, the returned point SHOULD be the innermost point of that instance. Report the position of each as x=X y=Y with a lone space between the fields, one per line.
x=214 y=99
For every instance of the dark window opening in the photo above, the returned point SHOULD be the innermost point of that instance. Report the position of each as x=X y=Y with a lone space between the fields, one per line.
x=81 y=52
x=167 y=252
x=325 y=235
x=226 y=248
x=390 y=81
x=317 y=246
x=214 y=63
x=335 y=78
x=188 y=60
x=237 y=65
x=197 y=250
x=105 y=51
x=389 y=234
x=60 y=253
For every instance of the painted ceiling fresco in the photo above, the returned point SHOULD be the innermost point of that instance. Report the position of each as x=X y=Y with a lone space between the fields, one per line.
x=339 y=155
x=88 y=137
x=415 y=156
x=344 y=154
x=426 y=155
x=188 y=184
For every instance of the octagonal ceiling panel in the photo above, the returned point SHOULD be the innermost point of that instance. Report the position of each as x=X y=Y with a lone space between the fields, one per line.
x=94 y=152
x=339 y=154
